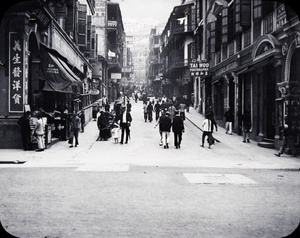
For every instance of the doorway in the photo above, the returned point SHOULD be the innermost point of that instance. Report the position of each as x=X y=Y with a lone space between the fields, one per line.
x=35 y=85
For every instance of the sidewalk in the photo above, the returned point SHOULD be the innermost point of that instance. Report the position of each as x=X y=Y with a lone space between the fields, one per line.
x=249 y=150
x=230 y=149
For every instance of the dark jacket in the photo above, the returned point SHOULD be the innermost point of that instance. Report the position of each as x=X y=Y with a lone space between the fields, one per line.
x=128 y=118
x=102 y=122
x=177 y=125
x=149 y=108
x=165 y=124
x=246 y=119
x=229 y=116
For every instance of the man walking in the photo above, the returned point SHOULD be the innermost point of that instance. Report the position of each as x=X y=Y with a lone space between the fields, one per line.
x=157 y=110
x=178 y=129
x=206 y=128
x=229 y=119
x=125 y=123
x=165 y=126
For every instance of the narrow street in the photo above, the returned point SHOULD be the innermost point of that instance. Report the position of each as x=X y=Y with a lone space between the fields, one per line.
x=140 y=189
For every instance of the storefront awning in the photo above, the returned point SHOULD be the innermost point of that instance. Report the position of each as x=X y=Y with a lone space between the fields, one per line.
x=58 y=76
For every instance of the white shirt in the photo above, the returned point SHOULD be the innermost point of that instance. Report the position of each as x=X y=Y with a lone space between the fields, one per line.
x=206 y=125
x=124 y=117
x=39 y=129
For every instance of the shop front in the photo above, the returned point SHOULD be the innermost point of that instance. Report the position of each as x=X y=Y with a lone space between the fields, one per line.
x=43 y=71
x=288 y=102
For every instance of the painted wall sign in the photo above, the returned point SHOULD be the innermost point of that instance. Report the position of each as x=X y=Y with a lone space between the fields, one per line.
x=199 y=68
x=16 y=73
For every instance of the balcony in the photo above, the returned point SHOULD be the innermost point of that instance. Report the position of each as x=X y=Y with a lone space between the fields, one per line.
x=177 y=62
x=183 y=28
x=155 y=60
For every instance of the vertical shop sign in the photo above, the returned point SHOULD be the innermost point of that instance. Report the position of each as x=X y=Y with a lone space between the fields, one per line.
x=16 y=85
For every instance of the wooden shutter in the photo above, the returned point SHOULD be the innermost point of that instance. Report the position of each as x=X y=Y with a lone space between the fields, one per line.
x=213 y=37
x=238 y=16
x=225 y=25
x=242 y=15
x=245 y=12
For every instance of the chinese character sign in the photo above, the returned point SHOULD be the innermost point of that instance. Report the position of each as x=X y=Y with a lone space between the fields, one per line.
x=199 y=68
x=16 y=74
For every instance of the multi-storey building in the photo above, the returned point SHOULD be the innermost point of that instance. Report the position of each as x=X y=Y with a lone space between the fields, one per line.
x=177 y=37
x=111 y=37
x=140 y=52
x=127 y=70
x=252 y=50
x=155 y=63
x=237 y=54
x=42 y=64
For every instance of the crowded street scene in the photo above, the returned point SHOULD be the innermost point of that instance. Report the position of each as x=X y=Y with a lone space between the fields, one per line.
x=180 y=118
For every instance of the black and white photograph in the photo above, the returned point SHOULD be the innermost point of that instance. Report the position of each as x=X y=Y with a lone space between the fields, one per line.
x=150 y=118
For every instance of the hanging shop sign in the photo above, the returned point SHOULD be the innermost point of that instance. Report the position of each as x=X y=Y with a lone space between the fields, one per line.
x=116 y=76
x=16 y=73
x=199 y=68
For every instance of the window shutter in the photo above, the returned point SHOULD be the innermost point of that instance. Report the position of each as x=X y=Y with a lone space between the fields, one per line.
x=238 y=16
x=225 y=25
x=257 y=9
x=245 y=14
x=213 y=37
x=242 y=15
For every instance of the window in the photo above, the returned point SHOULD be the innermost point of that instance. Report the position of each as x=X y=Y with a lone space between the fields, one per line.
x=231 y=31
x=262 y=8
x=225 y=25
x=257 y=9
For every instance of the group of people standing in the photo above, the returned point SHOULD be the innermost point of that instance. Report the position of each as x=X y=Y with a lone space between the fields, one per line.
x=110 y=124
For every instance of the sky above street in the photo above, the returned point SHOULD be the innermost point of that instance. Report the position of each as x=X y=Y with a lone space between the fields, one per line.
x=154 y=11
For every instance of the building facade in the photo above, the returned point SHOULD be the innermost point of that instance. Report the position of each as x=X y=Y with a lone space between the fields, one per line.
x=43 y=67
x=110 y=39
x=155 y=64
x=237 y=54
x=253 y=49
x=177 y=37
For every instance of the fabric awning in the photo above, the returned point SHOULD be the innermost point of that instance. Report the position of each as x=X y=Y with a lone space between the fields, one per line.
x=59 y=77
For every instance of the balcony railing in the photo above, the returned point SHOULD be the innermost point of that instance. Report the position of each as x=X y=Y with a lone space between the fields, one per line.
x=178 y=62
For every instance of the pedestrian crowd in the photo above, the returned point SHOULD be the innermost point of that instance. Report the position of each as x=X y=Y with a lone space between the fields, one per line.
x=115 y=123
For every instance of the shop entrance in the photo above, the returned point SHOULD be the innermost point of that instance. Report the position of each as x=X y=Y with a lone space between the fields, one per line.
x=295 y=69
x=269 y=100
x=35 y=85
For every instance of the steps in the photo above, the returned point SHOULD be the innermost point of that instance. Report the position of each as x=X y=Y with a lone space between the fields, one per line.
x=267 y=143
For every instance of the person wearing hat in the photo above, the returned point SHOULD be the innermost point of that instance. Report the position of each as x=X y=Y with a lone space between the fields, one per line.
x=165 y=126
x=125 y=123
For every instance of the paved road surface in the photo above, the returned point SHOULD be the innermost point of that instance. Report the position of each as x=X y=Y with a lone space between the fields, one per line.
x=102 y=189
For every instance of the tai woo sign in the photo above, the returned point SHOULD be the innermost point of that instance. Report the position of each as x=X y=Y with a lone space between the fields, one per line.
x=199 y=68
